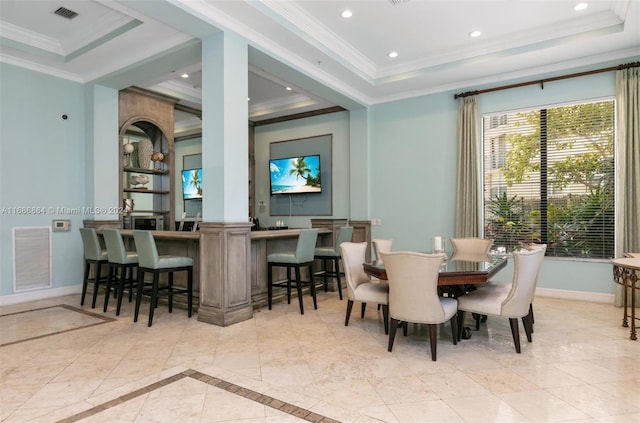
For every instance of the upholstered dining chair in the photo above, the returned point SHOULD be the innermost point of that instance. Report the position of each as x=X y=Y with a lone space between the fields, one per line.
x=332 y=254
x=302 y=257
x=471 y=249
x=512 y=301
x=471 y=246
x=93 y=255
x=119 y=260
x=149 y=261
x=381 y=246
x=413 y=294
x=359 y=286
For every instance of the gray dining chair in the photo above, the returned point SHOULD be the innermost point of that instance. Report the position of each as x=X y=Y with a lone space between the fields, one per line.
x=302 y=257
x=413 y=295
x=333 y=255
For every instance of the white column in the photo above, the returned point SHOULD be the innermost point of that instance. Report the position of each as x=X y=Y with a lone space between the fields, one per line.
x=225 y=117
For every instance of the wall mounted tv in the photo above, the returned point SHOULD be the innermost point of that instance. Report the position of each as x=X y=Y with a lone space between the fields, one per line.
x=295 y=175
x=192 y=184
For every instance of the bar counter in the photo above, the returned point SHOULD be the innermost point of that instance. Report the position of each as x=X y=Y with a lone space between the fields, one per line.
x=263 y=242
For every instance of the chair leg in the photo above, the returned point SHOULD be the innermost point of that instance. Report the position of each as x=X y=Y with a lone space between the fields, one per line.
x=337 y=267
x=405 y=328
x=126 y=270
x=349 y=307
x=269 y=283
x=460 y=324
x=528 y=326
x=393 y=326
x=531 y=313
x=189 y=291
x=477 y=318
x=362 y=308
x=110 y=271
x=85 y=281
x=299 y=288
x=288 y=284
x=95 y=283
x=385 y=317
x=170 y=292
x=138 y=294
x=515 y=333
x=324 y=274
x=433 y=340
x=454 y=329
x=154 y=296
x=312 y=288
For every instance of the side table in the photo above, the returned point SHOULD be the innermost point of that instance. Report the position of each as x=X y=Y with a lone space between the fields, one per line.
x=625 y=273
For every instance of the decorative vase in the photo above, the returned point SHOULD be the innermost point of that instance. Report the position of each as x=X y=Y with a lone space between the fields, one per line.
x=145 y=150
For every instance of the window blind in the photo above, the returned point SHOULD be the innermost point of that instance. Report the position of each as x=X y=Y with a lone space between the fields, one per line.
x=549 y=178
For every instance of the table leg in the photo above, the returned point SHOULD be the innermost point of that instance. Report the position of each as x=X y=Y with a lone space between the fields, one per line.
x=633 y=312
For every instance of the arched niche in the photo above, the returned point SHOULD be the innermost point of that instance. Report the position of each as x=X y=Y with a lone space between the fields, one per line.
x=147 y=116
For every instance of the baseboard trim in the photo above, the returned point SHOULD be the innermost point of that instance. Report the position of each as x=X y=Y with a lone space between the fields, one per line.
x=40 y=294
x=594 y=297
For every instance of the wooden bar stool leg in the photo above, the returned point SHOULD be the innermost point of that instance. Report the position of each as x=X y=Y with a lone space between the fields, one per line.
x=299 y=288
x=190 y=290
x=170 y=288
x=312 y=287
x=154 y=296
x=336 y=262
x=138 y=294
x=269 y=284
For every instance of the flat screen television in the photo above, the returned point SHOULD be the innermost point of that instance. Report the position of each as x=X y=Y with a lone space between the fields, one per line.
x=295 y=175
x=192 y=184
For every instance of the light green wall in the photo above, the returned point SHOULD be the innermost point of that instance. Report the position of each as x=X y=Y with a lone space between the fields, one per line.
x=42 y=160
x=413 y=171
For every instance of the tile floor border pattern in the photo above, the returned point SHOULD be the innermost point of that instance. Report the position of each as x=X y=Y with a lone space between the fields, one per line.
x=104 y=319
x=266 y=400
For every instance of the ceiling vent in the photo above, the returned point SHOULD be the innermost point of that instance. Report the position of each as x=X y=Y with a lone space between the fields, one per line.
x=65 y=13
x=397 y=2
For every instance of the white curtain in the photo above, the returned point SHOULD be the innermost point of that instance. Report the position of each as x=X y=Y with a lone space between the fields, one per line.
x=628 y=165
x=468 y=179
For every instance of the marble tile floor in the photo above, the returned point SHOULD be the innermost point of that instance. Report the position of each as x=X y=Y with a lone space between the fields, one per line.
x=62 y=363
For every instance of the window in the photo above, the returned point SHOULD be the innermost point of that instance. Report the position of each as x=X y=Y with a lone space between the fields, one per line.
x=553 y=179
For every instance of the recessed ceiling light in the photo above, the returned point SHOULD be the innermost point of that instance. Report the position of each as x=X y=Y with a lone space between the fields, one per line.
x=346 y=14
x=475 y=34
x=248 y=98
x=185 y=75
x=288 y=88
x=580 y=6
x=393 y=54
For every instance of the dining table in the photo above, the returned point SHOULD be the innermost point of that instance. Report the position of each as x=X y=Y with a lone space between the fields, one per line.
x=456 y=269
x=458 y=273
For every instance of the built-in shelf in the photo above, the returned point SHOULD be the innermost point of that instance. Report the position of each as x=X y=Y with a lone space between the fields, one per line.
x=146 y=191
x=147 y=171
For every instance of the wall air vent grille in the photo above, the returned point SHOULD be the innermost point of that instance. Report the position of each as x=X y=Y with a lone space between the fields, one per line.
x=65 y=13
x=31 y=258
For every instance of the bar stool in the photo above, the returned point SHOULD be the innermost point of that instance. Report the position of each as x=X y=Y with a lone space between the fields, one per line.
x=302 y=257
x=93 y=254
x=332 y=254
x=119 y=259
x=150 y=261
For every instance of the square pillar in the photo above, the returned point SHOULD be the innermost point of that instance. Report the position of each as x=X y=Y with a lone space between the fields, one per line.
x=225 y=273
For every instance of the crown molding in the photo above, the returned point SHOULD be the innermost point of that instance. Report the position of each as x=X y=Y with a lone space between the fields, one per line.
x=31 y=38
x=36 y=67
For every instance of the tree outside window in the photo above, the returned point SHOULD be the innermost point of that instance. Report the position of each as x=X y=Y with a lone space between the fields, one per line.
x=559 y=177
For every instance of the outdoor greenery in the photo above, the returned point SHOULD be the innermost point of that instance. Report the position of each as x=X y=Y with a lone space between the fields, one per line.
x=580 y=223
